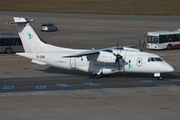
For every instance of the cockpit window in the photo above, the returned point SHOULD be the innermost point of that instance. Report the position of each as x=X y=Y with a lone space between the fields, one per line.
x=158 y=59
x=152 y=59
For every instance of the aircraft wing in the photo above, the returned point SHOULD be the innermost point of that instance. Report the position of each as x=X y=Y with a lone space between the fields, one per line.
x=98 y=51
x=86 y=53
x=95 y=55
x=93 y=52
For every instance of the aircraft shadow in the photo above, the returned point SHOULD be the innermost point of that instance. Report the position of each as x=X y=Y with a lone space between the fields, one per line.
x=115 y=75
x=64 y=71
x=143 y=75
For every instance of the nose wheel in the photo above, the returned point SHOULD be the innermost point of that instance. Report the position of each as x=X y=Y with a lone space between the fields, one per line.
x=159 y=76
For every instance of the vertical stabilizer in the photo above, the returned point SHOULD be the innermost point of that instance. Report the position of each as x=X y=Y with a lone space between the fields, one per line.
x=31 y=41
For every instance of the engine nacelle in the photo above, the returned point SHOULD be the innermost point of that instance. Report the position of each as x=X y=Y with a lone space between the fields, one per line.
x=105 y=57
x=131 y=49
x=108 y=71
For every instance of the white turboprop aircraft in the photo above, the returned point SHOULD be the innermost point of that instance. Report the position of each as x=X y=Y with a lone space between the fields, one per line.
x=97 y=62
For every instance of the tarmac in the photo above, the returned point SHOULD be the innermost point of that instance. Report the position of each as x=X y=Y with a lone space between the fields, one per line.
x=157 y=102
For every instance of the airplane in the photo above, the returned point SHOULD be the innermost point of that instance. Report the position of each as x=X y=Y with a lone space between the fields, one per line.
x=99 y=62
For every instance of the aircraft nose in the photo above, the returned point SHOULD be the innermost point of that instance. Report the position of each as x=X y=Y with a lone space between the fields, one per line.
x=170 y=68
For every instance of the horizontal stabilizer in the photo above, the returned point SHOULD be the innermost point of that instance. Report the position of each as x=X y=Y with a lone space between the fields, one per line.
x=27 y=55
x=38 y=62
x=30 y=56
x=19 y=20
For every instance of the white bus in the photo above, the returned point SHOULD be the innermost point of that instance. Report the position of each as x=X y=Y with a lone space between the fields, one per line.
x=163 y=40
x=10 y=43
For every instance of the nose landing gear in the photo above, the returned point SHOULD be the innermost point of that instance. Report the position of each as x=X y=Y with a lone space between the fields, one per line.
x=159 y=76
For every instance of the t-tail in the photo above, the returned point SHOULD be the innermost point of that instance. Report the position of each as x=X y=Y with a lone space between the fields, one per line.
x=30 y=40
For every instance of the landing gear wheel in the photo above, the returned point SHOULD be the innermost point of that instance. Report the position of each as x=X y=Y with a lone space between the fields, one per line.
x=96 y=76
x=160 y=78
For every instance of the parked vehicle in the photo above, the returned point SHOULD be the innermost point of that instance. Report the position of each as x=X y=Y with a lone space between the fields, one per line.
x=10 y=43
x=160 y=40
x=48 y=27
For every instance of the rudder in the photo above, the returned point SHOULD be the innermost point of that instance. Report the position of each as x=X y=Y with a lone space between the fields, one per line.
x=30 y=40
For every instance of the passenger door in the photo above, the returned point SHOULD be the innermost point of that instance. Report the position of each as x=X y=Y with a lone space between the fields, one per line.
x=73 y=62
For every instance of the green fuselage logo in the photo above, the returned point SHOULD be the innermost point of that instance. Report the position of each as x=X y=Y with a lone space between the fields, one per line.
x=129 y=66
x=30 y=36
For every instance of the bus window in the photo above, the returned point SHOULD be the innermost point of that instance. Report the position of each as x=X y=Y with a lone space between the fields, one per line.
x=175 y=37
x=1 y=42
x=19 y=41
x=178 y=37
x=152 y=39
x=163 y=38
x=155 y=40
x=169 y=38
x=149 y=38
x=10 y=43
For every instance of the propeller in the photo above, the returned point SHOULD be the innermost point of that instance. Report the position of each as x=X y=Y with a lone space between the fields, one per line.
x=118 y=57
x=124 y=64
x=141 y=47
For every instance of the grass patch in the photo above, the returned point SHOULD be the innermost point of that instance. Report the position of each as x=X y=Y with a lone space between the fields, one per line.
x=132 y=7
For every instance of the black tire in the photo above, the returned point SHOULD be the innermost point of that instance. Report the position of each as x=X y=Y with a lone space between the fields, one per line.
x=169 y=47
x=160 y=78
x=8 y=50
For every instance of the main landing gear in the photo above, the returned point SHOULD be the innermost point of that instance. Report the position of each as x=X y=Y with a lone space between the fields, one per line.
x=98 y=75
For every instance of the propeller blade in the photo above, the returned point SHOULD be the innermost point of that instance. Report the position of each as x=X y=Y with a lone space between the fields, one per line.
x=118 y=57
x=117 y=48
x=140 y=45
x=143 y=45
x=118 y=65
